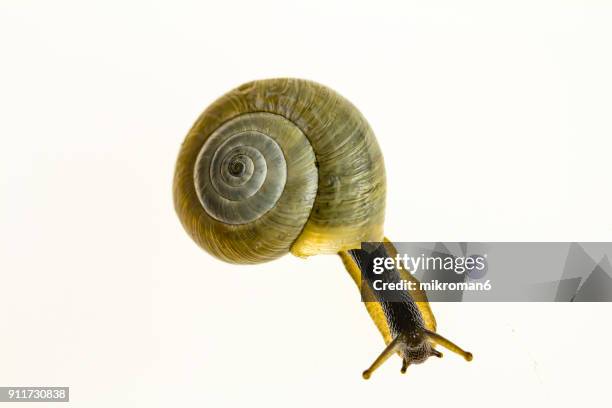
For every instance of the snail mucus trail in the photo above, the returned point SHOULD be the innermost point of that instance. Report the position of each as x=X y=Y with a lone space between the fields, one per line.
x=288 y=165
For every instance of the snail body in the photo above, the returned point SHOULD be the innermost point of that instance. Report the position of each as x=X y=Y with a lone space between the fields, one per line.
x=288 y=165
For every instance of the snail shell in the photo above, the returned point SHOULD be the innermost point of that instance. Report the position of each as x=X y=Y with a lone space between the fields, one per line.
x=277 y=166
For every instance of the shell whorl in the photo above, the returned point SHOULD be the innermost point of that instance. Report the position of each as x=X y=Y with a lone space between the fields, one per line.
x=276 y=166
x=240 y=177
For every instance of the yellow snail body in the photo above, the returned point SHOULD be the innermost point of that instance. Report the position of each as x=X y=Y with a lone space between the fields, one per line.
x=288 y=165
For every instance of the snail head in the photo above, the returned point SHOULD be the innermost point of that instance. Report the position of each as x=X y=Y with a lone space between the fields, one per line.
x=415 y=347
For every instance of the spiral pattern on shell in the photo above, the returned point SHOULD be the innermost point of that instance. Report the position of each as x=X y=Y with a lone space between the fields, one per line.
x=280 y=165
x=241 y=177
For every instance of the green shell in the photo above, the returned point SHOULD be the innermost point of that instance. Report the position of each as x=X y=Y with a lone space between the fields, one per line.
x=280 y=165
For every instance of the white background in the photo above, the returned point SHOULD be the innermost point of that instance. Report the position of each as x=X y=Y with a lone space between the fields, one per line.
x=495 y=123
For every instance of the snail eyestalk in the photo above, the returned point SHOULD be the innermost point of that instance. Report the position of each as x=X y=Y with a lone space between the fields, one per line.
x=387 y=352
x=404 y=366
x=436 y=338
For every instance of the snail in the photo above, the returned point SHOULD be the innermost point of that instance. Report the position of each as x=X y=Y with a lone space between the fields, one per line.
x=288 y=165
